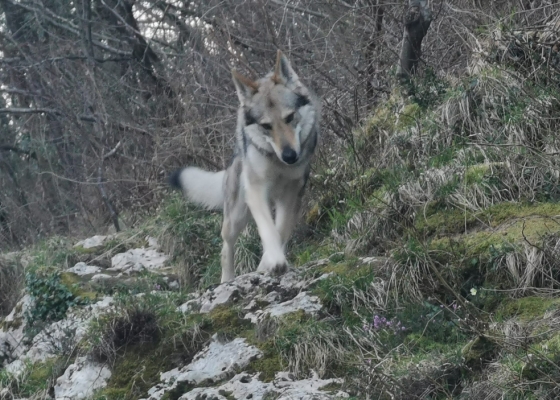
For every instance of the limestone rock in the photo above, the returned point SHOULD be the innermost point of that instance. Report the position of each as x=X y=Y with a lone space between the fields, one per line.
x=12 y=335
x=213 y=364
x=137 y=260
x=82 y=268
x=244 y=286
x=306 y=389
x=93 y=242
x=303 y=301
x=241 y=386
x=81 y=379
x=247 y=386
x=100 y=277
x=66 y=333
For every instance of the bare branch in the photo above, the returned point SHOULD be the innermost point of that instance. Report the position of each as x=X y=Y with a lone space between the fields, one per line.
x=17 y=110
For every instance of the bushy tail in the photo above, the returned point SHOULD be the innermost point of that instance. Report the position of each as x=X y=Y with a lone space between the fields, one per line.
x=201 y=187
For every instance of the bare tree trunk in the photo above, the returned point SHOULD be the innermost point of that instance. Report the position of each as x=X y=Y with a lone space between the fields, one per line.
x=110 y=206
x=417 y=21
x=370 y=53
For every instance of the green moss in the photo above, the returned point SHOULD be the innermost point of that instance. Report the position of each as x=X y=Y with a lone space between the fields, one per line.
x=78 y=286
x=476 y=173
x=177 y=391
x=410 y=113
x=479 y=352
x=138 y=369
x=544 y=360
x=81 y=250
x=505 y=224
x=503 y=212
x=40 y=376
x=446 y=222
x=14 y=324
x=17 y=321
x=337 y=291
x=526 y=308
x=112 y=394
x=227 y=394
x=227 y=321
x=382 y=120
x=268 y=365
x=332 y=388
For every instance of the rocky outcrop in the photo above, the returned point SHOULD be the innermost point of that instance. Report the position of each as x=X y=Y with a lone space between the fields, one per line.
x=220 y=370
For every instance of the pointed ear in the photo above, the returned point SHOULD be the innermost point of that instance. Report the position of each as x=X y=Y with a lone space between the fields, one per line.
x=283 y=72
x=246 y=88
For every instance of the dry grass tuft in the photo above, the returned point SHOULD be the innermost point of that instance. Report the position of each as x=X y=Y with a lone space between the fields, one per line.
x=12 y=282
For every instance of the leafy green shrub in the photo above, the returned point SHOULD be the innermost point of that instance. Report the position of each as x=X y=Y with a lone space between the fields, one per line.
x=428 y=90
x=51 y=299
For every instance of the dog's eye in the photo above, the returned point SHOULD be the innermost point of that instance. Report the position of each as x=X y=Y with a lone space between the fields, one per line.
x=249 y=120
x=289 y=118
x=266 y=126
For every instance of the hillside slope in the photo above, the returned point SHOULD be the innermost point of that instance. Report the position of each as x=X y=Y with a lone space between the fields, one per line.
x=427 y=268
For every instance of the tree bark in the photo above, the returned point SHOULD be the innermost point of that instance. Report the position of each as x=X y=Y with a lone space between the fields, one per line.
x=417 y=21
x=370 y=53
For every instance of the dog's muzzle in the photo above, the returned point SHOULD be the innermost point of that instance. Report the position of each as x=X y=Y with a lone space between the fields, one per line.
x=289 y=156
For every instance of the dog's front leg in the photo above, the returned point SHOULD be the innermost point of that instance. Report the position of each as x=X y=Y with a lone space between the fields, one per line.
x=273 y=259
x=287 y=212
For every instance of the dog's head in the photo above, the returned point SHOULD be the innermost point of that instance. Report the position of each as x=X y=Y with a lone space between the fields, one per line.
x=278 y=108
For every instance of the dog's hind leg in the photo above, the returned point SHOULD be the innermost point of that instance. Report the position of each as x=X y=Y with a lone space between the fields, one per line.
x=236 y=216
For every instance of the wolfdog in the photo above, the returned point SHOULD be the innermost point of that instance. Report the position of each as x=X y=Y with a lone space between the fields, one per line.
x=277 y=132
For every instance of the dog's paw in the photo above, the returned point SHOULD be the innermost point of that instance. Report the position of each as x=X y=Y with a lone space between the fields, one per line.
x=273 y=264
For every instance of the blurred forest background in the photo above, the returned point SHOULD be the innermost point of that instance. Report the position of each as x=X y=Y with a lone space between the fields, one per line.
x=100 y=99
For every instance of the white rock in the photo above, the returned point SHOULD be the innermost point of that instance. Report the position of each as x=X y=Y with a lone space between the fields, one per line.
x=224 y=294
x=152 y=242
x=15 y=368
x=251 y=306
x=247 y=386
x=82 y=268
x=273 y=297
x=306 y=389
x=240 y=387
x=303 y=301
x=244 y=286
x=138 y=260
x=216 y=362
x=376 y=261
x=12 y=339
x=93 y=242
x=81 y=379
x=100 y=277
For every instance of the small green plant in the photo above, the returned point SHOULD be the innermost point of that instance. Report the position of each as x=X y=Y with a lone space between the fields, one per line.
x=51 y=299
x=429 y=89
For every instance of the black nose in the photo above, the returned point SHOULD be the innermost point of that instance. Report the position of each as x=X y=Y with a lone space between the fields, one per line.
x=289 y=156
